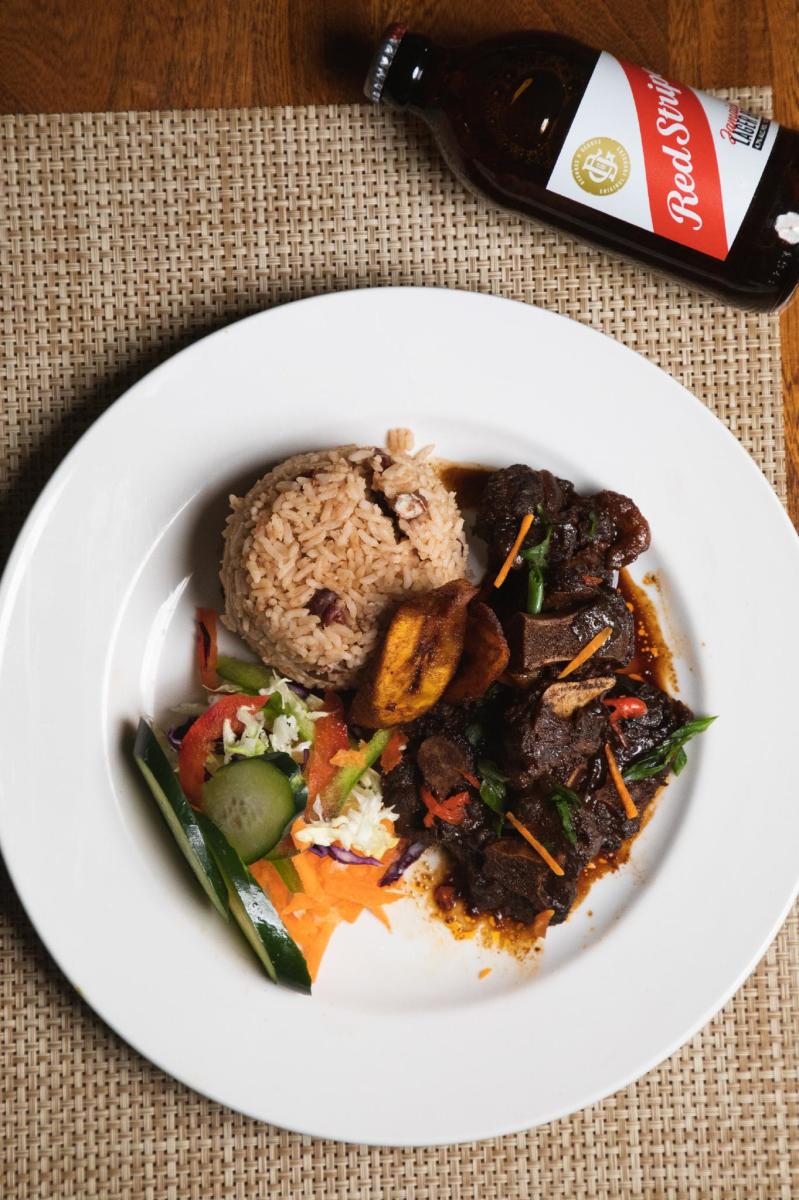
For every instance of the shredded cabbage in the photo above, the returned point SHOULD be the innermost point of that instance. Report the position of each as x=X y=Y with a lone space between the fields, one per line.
x=360 y=826
x=263 y=732
x=304 y=712
x=253 y=740
x=284 y=735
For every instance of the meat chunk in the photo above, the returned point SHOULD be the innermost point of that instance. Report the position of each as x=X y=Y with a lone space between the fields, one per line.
x=630 y=739
x=590 y=535
x=637 y=736
x=543 y=744
x=516 y=882
x=445 y=720
x=401 y=792
x=609 y=609
x=630 y=534
x=537 y=642
x=608 y=811
x=572 y=583
x=538 y=812
x=444 y=765
x=510 y=494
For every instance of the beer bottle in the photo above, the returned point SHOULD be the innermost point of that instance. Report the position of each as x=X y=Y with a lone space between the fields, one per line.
x=612 y=153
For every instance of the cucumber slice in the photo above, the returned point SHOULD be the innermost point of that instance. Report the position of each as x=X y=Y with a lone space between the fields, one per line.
x=251 y=801
x=179 y=815
x=278 y=953
x=293 y=772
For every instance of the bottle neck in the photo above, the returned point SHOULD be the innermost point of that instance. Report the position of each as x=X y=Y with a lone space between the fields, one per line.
x=401 y=69
x=409 y=74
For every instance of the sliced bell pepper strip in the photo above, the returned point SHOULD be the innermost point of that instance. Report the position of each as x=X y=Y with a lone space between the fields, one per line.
x=392 y=755
x=452 y=810
x=330 y=736
x=344 y=780
x=207 y=647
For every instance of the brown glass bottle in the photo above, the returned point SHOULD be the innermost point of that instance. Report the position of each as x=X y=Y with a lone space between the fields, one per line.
x=506 y=113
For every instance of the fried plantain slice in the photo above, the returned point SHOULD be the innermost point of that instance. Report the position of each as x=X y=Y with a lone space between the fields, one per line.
x=485 y=656
x=418 y=658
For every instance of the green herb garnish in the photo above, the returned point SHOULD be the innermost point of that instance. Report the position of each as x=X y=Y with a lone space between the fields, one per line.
x=669 y=753
x=475 y=733
x=536 y=559
x=564 y=799
x=490 y=770
x=535 y=589
x=493 y=789
x=593 y=522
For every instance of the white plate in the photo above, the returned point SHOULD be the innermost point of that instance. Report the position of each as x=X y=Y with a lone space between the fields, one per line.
x=401 y=1043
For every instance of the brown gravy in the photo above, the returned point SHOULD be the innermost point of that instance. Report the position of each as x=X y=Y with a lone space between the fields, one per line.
x=466 y=480
x=653 y=659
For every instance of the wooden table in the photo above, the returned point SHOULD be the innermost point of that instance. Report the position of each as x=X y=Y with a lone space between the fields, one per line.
x=90 y=55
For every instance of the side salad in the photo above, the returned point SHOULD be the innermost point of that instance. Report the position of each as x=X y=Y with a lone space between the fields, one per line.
x=277 y=809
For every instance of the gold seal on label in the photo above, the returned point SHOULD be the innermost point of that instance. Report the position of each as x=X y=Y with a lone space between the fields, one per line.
x=601 y=166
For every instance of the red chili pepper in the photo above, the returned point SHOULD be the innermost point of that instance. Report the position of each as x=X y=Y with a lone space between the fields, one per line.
x=624 y=707
x=201 y=736
x=206 y=647
x=452 y=810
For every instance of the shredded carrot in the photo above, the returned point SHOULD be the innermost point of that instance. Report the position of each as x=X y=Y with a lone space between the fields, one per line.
x=331 y=893
x=472 y=779
x=591 y=648
x=551 y=862
x=502 y=573
x=305 y=865
x=395 y=748
x=485 y=971
x=348 y=758
x=312 y=936
x=620 y=785
x=267 y=876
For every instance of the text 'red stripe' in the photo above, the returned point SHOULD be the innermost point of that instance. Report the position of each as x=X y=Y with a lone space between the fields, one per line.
x=682 y=173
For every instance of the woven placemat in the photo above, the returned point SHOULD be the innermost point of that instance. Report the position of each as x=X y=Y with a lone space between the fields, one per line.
x=122 y=238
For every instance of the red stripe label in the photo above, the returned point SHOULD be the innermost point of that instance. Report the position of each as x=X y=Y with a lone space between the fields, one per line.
x=682 y=173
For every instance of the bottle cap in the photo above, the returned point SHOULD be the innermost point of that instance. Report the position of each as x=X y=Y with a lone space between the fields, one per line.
x=383 y=58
